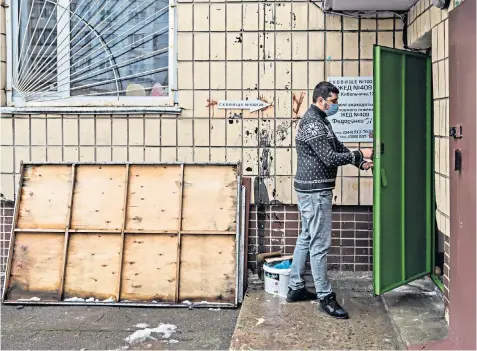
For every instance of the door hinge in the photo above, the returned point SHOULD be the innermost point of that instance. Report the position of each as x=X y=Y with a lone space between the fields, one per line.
x=456 y=132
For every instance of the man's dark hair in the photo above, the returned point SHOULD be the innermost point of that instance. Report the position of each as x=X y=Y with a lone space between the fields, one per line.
x=324 y=89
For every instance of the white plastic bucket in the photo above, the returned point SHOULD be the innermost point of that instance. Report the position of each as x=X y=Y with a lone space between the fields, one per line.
x=276 y=280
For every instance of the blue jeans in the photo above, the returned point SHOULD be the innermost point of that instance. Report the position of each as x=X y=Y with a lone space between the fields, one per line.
x=315 y=238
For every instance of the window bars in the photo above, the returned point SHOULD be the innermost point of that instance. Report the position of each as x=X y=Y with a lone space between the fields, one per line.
x=72 y=49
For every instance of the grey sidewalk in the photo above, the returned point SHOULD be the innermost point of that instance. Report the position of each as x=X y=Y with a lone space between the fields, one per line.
x=106 y=328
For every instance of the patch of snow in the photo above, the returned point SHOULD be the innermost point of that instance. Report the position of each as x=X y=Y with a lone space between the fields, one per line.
x=253 y=278
x=252 y=275
x=74 y=299
x=30 y=299
x=141 y=335
x=108 y=300
x=142 y=325
x=187 y=302
x=214 y=309
x=154 y=301
x=149 y=346
x=138 y=336
x=92 y=299
x=210 y=303
x=260 y=321
x=166 y=329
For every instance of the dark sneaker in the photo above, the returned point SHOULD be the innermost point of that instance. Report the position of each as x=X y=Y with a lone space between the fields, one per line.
x=332 y=307
x=300 y=295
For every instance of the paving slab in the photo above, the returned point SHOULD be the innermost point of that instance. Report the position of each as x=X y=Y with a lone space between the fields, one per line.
x=106 y=328
x=268 y=322
x=417 y=312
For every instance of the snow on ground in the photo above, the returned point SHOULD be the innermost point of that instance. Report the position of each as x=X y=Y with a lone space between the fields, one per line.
x=31 y=299
x=142 y=325
x=147 y=333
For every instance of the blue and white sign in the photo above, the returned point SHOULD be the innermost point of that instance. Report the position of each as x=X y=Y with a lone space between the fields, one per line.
x=354 y=120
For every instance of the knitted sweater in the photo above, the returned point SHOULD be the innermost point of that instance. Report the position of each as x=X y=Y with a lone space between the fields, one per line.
x=320 y=153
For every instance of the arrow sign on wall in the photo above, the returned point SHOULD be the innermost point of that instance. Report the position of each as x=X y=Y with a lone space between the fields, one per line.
x=252 y=105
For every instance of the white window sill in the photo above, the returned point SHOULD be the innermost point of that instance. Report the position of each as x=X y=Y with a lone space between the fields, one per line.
x=120 y=110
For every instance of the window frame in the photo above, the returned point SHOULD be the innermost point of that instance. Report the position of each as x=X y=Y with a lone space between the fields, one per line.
x=92 y=101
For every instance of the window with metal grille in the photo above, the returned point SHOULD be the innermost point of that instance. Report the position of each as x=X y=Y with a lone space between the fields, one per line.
x=91 y=52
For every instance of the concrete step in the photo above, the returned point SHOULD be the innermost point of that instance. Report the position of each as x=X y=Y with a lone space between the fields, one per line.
x=409 y=315
x=417 y=312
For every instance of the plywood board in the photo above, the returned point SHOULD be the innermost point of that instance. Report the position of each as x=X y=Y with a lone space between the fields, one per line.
x=98 y=197
x=141 y=233
x=154 y=196
x=92 y=266
x=208 y=265
x=149 y=267
x=44 y=197
x=36 y=268
x=210 y=198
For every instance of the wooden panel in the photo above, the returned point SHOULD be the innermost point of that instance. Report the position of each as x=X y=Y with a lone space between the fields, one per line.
x=149 y=267
x=44 y=197
x=153 y=200
x=98 y=197
x=208 y=268
x=92 y=265
x=36 y=268
x=210 y=198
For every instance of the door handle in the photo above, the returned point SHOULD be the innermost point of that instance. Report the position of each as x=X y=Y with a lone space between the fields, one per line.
x=384 y=179
x=458 y=160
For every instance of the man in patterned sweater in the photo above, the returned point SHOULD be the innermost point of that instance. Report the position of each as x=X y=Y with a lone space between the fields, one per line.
x=320 y=154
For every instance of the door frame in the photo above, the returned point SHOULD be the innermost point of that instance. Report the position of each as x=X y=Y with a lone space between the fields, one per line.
x=462 y=111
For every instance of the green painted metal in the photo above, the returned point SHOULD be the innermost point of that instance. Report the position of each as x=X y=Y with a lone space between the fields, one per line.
x=403 y=168
x=438 y=282
x=430 y=209
x=384 y=179
x=377 y=165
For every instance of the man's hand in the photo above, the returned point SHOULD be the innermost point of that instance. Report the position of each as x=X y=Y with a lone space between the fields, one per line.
x=367 y=165
x=367 y=153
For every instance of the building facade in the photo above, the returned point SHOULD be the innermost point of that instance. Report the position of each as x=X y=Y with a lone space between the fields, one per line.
x=141 y=81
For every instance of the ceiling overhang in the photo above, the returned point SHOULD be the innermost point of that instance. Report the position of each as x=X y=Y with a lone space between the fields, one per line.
x=368 y=5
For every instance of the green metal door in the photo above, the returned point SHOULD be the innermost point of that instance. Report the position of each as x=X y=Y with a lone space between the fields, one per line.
x=403 y=180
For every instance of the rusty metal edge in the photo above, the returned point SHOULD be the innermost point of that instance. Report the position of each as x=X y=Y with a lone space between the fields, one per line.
x=123 y=304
